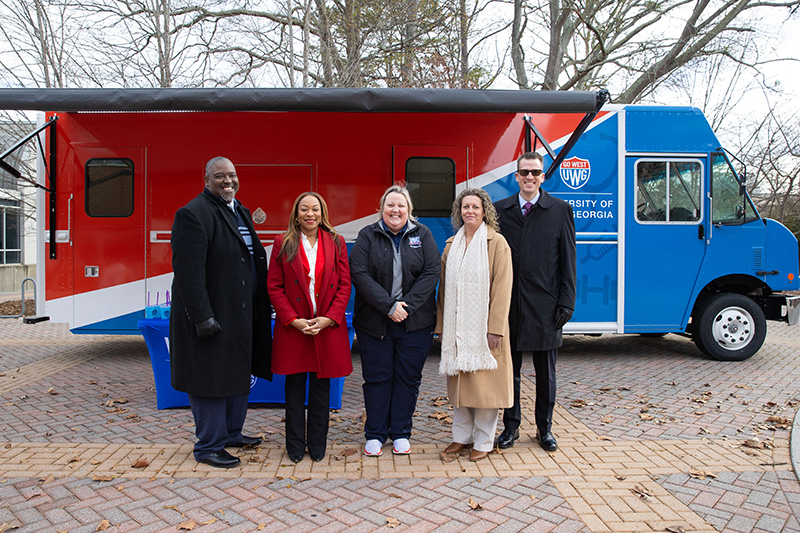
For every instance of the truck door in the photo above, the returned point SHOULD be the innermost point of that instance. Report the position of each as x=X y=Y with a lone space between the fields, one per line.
x=108 y=238
x=664 y=240
x=269 y=191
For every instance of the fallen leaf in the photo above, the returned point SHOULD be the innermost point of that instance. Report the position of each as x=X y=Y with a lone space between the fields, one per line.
x=439 y=415
x=676 y=529
x=607 y=419
x=52 y=391
x=439 y=401
x=448 y=457
x=392 y=522
x=604 y=437
x=621 y=478
x=92 y=382
x=646 y=416
x=758 y=444
x=780 y=422
x=701 y=474
x=141 y=462
x=533 y=497
x=350 y=451
x=208 y=522
x=393 y=495
x=175 y=509
x=8 y=527
x=672 y=383
x=103 y=525
x=475 y=506
x=103 y=477
x=642 y=492
x=188 y=525
x=704 y=431
x=261 y=526
x=578 y=403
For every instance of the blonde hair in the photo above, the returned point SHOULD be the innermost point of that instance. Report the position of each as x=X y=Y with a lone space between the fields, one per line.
x=399 y=189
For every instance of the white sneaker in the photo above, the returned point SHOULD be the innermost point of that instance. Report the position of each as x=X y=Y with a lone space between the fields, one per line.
x=401 y=447
x=373 y=448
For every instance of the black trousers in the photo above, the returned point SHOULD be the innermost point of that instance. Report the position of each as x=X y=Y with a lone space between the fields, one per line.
x=314 y=433
x=544 y=364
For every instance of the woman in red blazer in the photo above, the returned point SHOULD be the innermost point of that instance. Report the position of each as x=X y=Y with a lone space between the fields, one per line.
x=309 y=286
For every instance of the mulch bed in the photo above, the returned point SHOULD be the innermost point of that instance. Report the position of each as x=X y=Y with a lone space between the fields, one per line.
x=14 y=307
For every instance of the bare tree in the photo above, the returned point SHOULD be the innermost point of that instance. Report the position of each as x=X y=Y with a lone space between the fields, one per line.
x=39 y=48
x=633 y=44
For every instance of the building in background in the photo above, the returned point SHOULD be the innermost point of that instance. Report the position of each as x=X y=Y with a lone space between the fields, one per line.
x=17 y=210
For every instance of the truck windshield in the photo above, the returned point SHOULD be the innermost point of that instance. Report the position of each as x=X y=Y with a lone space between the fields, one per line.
x=728 y=206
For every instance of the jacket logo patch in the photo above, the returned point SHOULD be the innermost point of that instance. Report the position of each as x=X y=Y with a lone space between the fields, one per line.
x=415 y=242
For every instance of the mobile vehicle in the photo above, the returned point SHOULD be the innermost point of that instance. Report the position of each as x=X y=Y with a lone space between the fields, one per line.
x=668 y=238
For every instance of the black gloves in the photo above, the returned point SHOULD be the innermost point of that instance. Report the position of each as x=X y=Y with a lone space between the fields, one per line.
x=207 y=328
x=563 y=315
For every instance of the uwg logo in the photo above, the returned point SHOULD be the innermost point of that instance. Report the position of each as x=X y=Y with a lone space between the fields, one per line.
x=575 y=172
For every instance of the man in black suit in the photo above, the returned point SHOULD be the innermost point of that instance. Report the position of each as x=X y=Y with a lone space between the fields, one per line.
x=540 y=230
x=220 y=320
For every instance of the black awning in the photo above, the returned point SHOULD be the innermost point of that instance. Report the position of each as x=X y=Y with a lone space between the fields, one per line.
x=339 y=99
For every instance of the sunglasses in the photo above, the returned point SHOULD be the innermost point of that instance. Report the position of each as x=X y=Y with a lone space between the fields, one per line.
x=535 y=172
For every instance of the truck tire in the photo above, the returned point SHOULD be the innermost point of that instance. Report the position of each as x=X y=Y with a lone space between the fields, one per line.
x=729 y=327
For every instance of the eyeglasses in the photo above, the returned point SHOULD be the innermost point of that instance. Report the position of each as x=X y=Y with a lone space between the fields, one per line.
x=535 y=172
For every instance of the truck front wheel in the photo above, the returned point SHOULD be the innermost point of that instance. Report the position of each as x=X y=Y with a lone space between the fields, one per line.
x=729 y=327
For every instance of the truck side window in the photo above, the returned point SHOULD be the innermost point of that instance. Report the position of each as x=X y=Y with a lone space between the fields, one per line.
x=109 y=187
x=431 y=182
x=668 y=191
x=727 y=206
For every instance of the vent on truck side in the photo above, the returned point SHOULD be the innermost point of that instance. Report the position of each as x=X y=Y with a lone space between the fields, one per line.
x=758 y=258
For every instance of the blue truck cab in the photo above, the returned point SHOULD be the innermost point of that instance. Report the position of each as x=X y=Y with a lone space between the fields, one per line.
x=668 y=239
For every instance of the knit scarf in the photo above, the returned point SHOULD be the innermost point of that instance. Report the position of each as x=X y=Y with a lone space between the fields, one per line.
x=466 y=306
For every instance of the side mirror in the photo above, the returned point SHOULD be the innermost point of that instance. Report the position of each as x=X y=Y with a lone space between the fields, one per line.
x=739 y=211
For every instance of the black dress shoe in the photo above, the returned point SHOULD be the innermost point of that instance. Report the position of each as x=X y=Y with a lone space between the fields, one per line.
x=507 y=438
x=296 y=457
x=246 y=441
x=221 y=459
x=548 y=442
x=317 y=457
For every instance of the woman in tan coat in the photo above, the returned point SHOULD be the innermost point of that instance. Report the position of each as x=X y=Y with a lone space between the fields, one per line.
x=472 y=321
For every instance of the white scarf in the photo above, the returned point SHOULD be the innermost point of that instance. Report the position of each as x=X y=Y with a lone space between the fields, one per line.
x=465 y=347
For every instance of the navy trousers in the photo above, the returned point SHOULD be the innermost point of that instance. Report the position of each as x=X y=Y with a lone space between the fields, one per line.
x=392 y=371
x=313 y=433
x=544 y=364
x=218 y=422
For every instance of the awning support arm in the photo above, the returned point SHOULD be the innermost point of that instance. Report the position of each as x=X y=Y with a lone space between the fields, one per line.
x=602 y=97
x=50 y=172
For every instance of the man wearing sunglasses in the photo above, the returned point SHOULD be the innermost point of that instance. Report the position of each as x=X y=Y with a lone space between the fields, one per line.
x=540 y=230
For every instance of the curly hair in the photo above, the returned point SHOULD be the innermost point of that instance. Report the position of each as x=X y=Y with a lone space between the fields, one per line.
x=489 y=212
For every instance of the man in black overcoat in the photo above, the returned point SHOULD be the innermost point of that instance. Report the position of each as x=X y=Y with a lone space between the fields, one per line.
x=220 y=320
x=540 y=230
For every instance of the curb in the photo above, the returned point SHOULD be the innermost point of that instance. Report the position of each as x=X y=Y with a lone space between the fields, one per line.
x=794 y=445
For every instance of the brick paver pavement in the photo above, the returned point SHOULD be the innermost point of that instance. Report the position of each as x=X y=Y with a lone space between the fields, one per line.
x=652 y=437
